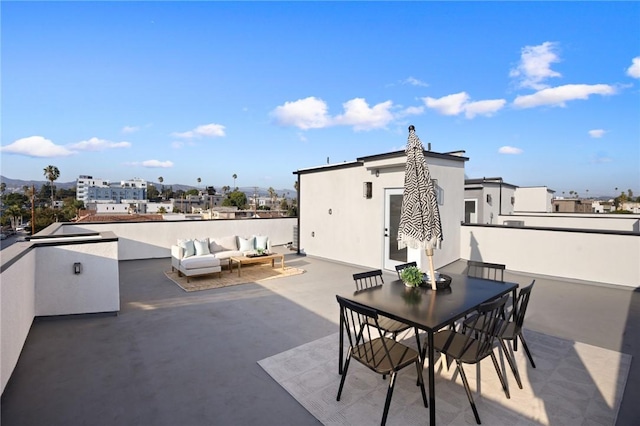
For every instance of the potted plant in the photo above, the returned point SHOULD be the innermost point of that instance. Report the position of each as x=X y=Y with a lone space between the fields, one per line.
x=411 y=276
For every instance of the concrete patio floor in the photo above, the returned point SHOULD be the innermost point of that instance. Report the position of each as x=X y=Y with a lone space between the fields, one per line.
x=176 y=358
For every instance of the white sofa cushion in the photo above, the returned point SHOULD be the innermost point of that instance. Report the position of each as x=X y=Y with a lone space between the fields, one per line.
x=201 y=246
x=246 y=244
x=261 y=242
x=189 y=248
x=198 y=262
x=224 y=244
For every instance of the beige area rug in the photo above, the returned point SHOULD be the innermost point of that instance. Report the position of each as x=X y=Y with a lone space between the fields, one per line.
x=250 y=274
x=573 y=384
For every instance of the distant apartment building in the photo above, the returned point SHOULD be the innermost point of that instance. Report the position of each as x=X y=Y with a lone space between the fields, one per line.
x=90 y=190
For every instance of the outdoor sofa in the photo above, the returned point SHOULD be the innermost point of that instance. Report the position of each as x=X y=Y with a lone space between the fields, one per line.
x=200 y=256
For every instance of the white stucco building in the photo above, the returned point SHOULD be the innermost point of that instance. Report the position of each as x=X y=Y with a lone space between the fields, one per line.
x=534 y=199
x=487 y=198
x=345 y=207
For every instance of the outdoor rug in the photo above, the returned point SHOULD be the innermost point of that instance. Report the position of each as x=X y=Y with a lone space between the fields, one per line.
x=250 y=274
x=573 y=384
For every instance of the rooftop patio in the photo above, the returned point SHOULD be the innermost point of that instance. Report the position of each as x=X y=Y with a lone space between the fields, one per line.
x=171 y=357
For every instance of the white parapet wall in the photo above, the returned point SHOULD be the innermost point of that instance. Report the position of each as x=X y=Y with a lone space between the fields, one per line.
x=611 y=222
x=17 y=309
x=38 y=279
x=605 y=257
x=62 y=291
x=147 y=240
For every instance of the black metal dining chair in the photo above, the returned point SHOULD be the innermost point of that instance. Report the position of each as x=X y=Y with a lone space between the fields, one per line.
x=371 y=279
x=474 y=343
x=380 y=354
x=399 y=268
x=511 y=329
x=488 y=271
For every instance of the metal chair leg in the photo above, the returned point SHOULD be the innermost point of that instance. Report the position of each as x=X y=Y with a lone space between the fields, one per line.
x=511 y=362
x=504 y=383
x=392 y=382
x=465 y=382
x=526 y=349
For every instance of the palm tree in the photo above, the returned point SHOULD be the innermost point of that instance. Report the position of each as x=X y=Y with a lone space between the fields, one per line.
x=226 y=189
x=235 y=176
x=161 y=179
x=272 y=195
x=51 y=173
x=199 y=180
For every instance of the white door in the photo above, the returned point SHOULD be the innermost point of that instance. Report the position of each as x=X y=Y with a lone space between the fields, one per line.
x=392 y=207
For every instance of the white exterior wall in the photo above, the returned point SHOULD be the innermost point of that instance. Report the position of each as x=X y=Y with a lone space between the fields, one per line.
x=574 y=255
x=17 y=311
x=354 y=231
x=533 y=199
x=61 y=292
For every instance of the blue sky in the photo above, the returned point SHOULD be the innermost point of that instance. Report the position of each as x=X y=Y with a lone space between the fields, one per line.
x=542 y=93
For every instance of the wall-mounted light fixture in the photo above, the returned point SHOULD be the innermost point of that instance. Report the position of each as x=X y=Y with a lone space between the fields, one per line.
x=330 y=211
x=489 y=198
x=513 y=200
x=377 y=173
x=77 y=268
x=367 y=191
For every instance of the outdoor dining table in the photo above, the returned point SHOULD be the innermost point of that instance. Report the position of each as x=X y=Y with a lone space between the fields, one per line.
x=427 y=310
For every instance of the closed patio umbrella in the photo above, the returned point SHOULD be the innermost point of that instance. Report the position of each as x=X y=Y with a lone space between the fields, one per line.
x=420 y=225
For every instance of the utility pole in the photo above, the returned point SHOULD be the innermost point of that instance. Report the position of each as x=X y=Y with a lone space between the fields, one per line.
x=33 y=210
x=255 y=201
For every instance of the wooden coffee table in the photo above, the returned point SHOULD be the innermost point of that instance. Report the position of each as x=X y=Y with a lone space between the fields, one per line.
x=244 y=260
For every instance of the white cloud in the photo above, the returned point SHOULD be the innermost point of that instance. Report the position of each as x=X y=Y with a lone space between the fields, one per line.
x=358 y=114
x=177 y=144
x=448 y=105
x=458 y=103
x=95 y=144
x=410 y=111
x=205 y=130
x=157 y=164
x=597 y=133
x=634 y=69
x=509 y=150
x=487 y=107
x=557 y=96
x=130 y=129
x=535 y=65
x=415 y=82
x=308 y=113
x=36 y=146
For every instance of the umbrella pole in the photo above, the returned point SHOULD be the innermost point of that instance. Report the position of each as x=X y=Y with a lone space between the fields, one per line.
x=432 y=274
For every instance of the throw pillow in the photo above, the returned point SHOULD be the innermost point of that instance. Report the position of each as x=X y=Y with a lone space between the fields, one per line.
x=201 y=246
x=214 y=247
x=261 y=242
x=189 y=248
x=227 y=243
x=246 y=244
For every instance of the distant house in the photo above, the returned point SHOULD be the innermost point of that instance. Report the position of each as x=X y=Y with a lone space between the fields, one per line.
x=346 y=207
x=487 y=198
x=572 y=205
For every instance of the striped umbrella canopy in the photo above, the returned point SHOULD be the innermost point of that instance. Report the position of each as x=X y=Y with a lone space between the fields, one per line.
x=420 y=225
